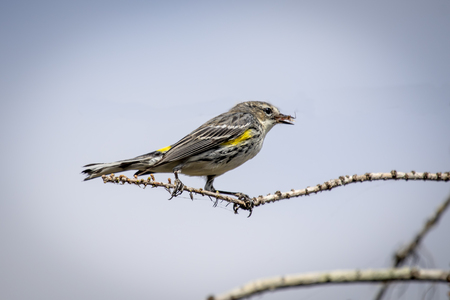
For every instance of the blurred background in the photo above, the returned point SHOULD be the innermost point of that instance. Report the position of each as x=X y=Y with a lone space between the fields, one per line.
x=98 y=81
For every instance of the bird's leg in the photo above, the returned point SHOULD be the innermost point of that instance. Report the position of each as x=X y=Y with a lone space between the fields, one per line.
x=249 y=204
x=210 y=188
x=178 y=189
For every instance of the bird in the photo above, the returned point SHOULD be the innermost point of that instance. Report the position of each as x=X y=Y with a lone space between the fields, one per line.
x=221 y=144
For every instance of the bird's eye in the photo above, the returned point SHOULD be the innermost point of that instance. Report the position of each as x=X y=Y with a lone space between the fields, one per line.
x=268 y=110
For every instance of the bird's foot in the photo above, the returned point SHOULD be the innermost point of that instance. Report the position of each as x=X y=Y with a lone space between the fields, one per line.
x=248 y=203
x=178 y=188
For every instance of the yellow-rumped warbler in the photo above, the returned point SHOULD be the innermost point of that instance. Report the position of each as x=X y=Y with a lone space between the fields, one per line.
x=218 y=146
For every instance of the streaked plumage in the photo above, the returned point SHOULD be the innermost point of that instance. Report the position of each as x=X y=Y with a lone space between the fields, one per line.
x=218 y=146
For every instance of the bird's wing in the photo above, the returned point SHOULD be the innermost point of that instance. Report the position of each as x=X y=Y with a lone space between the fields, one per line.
x=218 y=130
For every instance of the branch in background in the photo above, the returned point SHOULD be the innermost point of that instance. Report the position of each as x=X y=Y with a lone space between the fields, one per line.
x=401 y=255
x=260 y=200
x=350 y=276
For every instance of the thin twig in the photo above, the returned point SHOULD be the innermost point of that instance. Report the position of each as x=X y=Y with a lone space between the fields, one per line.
x=122 y=179
x=260 y=200
x=403 y=253
x=344 y=180
x=332 y=277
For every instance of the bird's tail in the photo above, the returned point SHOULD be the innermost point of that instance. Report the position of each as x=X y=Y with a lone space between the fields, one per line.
x=139 y=163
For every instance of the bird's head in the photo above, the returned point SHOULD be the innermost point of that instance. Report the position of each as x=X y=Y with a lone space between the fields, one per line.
x=267 y=114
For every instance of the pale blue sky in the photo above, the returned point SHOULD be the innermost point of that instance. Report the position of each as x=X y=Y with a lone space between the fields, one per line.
x=98 y=81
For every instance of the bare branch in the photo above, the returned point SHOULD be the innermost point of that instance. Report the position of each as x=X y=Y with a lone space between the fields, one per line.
x=403 y=253
x=260 y=200
x=344 y=180
x=150 y=181
x=341 y=276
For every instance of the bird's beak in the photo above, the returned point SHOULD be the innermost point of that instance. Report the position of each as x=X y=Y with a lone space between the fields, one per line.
x=285 y=119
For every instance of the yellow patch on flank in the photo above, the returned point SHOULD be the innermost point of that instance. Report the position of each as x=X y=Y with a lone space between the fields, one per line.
x=245 y=136
x=164 y=149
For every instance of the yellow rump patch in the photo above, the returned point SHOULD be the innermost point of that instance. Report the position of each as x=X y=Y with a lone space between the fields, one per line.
x=164 y=149
x=245 y=136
